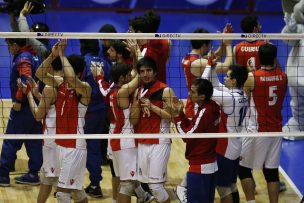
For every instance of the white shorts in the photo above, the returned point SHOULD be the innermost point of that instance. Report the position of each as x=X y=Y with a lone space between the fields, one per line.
x=72 y=164
x=125 y=163
x=261 y=152
x=50 y=161
x=152 y=162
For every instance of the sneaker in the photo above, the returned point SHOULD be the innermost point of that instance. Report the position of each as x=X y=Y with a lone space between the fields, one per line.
x=282 y=186
x=4 y=181
x=28 y=179
x=181 y=193
x=146 y=199
x=93 y=191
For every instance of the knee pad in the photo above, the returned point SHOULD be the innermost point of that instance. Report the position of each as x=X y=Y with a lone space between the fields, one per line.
x=271 y=175
x=224 y=191
x=126 y=188
x=159 y=192
x=79 y=195
x=244 y=172
x=63 y=197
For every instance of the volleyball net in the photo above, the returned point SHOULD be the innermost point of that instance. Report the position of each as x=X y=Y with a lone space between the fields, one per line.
x=292 y=108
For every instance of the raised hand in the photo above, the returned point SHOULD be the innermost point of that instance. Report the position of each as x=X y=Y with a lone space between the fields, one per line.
x=34 y=87
x=228 y=29
x=27 y=8
x=131 y=45
x=290 y=22
x=211 y=59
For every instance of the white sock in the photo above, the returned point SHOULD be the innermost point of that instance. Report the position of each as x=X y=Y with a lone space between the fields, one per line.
x=139 y=191
x=251 y=201
x=113 y=201
x=184 y=181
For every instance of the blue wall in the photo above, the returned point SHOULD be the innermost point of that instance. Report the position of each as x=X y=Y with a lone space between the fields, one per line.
x=72 y=21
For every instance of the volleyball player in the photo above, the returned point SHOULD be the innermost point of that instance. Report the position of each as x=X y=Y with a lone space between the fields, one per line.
x=268 y=87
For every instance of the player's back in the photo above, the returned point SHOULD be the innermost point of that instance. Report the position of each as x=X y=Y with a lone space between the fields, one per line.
x=267 y=97
x=246 y=50
x=70 y=113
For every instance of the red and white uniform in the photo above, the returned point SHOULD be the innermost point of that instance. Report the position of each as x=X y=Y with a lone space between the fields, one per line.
x=190 y=108
x=265 y=116
x=246 y=50
x=72 y=153
x=153 y=154
x=124 y=150
x=201 y=153
x=69 y=117
x=159 y=51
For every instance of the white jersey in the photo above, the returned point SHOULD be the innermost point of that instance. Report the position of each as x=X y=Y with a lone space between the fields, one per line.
x=232 y=117
x=234 y=104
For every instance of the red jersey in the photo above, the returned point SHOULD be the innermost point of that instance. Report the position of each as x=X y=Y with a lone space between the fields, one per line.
x=200 y=151
x=248 y=50
x=267 y=99
x=120 y=123
x=186 y=63
x=69 y=117
x=159 y=51
x=154 y=123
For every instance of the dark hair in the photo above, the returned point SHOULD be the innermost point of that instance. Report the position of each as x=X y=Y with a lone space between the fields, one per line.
x=139 y=24
x=153 y=19
x=40 y=27
x=120 y=48
x=204 y=87
x=240 y=73
x=248 y=23
x=89 y=46
x=77 y=62
x=267 y=54
x=56 y=64
x=197 y=44
x=107 y=28
x=146 y=62
x=119 y=69
x=21 y=42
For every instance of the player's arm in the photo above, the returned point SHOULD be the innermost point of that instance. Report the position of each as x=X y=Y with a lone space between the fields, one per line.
x=135 y=109
x=43 y=71
x=126 y=90
x=249 y=85
x=81 y=87
x=168 y=96
x=47 y=99
x=223 y=67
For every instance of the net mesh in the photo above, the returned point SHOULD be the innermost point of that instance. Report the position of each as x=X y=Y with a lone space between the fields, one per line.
x=175 y=74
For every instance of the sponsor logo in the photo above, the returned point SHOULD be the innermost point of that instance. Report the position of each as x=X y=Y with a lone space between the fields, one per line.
x=132 y=173
x=72 y=181
x=253 y=35
x=50 y=34
x=172 y=35
x=52 y=169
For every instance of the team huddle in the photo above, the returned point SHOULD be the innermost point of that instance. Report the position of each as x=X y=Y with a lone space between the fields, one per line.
x=122 y=90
